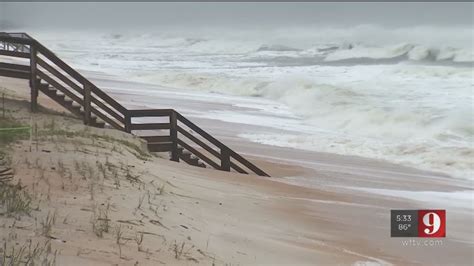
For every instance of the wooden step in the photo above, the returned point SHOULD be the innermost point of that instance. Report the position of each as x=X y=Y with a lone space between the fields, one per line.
x=160 y=146
x=194 y=160
x=50 y=91
x=190 y=159
x=93 y=117
x=75 y=106
x=60 y=96
x=185 y=154
x=98 y=124
x=156 y=139
x=68 y=102
x=43 y=86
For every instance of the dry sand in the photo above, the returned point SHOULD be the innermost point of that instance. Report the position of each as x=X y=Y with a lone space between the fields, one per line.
x=187 y=215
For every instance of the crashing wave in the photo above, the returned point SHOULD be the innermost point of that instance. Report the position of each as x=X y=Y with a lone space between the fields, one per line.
x=276 y=48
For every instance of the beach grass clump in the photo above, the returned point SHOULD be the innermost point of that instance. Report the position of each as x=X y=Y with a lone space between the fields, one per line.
x=101 y=221
x=47 y=224
x=14 y=199
x=27 y=254
x=137 y=151
x=11 y=130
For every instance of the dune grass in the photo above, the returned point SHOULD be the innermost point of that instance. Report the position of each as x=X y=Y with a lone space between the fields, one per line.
x=11 y=130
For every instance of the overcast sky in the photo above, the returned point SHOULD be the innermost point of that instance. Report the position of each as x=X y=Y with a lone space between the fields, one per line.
x=130 y=15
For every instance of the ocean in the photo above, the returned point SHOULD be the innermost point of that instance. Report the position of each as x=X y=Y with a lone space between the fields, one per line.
x=403 y=95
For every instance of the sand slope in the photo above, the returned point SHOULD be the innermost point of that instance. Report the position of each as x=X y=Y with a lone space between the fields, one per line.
x=114 y=203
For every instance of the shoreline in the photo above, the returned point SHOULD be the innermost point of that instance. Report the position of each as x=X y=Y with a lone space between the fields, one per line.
x=290 y=223
x=167 y=97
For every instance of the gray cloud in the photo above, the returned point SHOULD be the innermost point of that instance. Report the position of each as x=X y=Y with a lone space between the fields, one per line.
x=143 y=15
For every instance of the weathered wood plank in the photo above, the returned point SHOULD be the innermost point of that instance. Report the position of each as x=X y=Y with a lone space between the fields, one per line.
x=150 y=112
x=128 y=122
x=10 y=73
x=11 y=39
x=149 y=126
x=225 y=159
x=174 y=136
x=15 y=67
x=14 y=54
x=34 y=83
x=87 y=104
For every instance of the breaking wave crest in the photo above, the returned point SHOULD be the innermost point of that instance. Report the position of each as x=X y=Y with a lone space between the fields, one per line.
x=404 y=114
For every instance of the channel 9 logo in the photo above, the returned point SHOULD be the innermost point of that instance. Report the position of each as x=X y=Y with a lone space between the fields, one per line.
x=418 y=223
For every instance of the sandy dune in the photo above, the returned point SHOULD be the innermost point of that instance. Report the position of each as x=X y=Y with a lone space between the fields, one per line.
x=114 y=203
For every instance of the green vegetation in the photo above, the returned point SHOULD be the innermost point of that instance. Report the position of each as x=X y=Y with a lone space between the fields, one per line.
x=14 y=199
x=11 y=130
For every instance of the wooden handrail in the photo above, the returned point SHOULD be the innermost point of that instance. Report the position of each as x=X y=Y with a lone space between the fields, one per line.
x=60 y=87
x=150 y=112
x=199 y=130
x=199 y=142
x=198 y=154
x=95 y=101
x=15 y=66
x=77 y=76
x=112 y=102
x=219 y=144
x=59 y=75
x=17 y=40
x=151 y=126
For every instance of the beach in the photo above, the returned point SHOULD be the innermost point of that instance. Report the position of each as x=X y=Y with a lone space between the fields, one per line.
x=361 y=115
x=316 y=208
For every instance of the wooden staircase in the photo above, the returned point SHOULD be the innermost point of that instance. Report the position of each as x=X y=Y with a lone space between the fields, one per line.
x=182 y=139
x=68 y=103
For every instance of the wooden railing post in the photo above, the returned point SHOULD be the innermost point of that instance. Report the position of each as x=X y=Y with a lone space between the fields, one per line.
x=225 y=159
x=128 y=121
x=87 y=104
x=174 y=136
x=33 y=81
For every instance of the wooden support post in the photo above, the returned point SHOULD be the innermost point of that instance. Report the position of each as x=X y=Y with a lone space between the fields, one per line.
x=225 y=159
x=34 y=84
x=174 y=136
x=128 y=122
x=87 y=104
